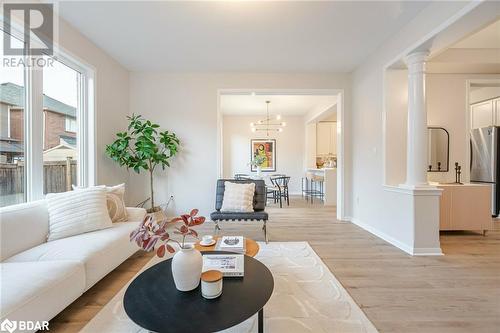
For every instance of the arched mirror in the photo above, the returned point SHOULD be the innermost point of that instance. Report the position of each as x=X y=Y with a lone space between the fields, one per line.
x=438 y=149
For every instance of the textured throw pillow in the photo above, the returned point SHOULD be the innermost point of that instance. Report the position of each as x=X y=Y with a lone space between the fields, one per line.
x=114 y=200
x=76 y=212
x=238 y=197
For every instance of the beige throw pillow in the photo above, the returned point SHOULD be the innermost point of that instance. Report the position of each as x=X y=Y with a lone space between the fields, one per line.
x=76 y=212
x=114 y=201
x=238 y=197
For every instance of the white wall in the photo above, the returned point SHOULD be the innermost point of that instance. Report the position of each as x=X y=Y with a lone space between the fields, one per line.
x=290 y=147
x=396 y=117
x=111 y=98
x=187 y=105
x=370 y=198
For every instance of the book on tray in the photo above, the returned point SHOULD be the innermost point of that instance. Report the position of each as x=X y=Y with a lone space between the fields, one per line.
x=228 y=264
x=231 y=244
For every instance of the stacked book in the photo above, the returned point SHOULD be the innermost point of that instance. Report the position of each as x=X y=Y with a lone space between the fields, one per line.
x=231 y=244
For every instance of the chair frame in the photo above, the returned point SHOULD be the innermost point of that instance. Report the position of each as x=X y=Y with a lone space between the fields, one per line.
x=281 y=182
x=259 y=199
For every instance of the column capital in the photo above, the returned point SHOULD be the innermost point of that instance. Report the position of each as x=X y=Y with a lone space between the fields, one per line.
x=416 y=57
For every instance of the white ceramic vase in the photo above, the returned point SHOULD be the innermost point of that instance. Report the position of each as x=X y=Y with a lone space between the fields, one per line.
x=259 y=170
x=187 y=264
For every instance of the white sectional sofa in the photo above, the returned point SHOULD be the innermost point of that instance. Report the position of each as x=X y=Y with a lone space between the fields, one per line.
x=38 y=279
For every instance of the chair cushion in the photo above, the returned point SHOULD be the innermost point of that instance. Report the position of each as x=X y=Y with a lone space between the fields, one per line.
x=238 y=197
x=39 y=290
x=259 y=199
x=100 y=251
x=217 y=216
x=75 y=212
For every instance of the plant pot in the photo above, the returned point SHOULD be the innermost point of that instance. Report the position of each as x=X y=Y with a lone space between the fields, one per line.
x=186 y=268
x=157 y=213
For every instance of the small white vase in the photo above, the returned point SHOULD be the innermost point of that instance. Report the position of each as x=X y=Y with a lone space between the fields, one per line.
x=259 y=170
x=187 y=264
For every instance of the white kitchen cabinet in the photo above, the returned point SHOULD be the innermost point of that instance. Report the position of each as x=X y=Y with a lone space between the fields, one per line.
x=483 y=114
x=326 y=138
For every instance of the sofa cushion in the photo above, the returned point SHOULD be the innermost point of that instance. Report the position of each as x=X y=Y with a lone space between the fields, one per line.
x=75 y=212
x=100 y=251
x=39 y=290
x=114 y=201
x=22 y=227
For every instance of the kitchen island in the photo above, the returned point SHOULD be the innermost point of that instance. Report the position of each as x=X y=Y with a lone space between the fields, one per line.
x=329 y=184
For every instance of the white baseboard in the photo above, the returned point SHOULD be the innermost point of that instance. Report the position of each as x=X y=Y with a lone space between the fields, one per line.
x=400 y=245
x=427 y=251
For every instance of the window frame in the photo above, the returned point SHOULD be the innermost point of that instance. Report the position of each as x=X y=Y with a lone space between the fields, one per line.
x=34 y=122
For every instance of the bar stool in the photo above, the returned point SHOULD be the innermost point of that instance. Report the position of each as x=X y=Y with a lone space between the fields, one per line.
x=317 y=183
x=313 y=186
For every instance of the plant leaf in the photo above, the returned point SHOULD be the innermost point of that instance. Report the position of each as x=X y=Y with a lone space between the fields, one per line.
x=170 y=249
x=161 y=251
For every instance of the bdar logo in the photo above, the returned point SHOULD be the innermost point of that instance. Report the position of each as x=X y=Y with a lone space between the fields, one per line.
x=8 y=326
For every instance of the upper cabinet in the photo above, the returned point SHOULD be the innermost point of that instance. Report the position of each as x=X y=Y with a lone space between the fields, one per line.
x=326 y=138
x=485 y=113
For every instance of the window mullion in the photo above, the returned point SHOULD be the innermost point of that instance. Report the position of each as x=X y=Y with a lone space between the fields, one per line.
x=33 y=121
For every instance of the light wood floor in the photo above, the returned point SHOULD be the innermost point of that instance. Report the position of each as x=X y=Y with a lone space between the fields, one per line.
x=458 y=292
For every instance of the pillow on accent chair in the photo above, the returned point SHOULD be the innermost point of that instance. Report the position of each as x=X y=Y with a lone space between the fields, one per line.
x=114 y=200
x=76 y=212
x=238 y=197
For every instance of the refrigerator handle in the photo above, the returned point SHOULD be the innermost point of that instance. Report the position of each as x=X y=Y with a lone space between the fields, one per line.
x=471 y=155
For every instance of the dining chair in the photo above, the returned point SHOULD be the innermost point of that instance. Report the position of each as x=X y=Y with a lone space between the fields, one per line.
x=280 y=183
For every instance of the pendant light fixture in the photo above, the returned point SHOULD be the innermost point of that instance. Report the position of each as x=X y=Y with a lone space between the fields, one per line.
x=268 y=124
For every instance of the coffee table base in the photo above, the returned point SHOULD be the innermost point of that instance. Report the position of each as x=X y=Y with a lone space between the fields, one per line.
x=261 y=321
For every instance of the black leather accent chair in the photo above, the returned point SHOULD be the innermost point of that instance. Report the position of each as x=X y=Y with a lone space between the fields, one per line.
x=259 y=205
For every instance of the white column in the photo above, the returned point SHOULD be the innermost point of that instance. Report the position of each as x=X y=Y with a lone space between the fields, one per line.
x=416 y=158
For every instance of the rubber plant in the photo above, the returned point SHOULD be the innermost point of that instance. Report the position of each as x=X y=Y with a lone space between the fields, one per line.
x=149 y=232
x=143 y=147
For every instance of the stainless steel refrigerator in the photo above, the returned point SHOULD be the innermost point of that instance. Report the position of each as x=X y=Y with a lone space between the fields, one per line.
x=484 y=162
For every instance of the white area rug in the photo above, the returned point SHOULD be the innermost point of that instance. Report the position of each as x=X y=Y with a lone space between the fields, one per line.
x=307 y=298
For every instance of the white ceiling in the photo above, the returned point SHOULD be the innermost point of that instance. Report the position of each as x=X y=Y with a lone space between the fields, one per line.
x=478 y=53
x=240 y=35
x=487 y=38
x=285 y=105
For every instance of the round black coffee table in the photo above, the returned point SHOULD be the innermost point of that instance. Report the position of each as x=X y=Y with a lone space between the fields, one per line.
x=153 y=302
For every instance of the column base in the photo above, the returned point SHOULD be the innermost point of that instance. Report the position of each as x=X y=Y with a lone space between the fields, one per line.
x=421 y=186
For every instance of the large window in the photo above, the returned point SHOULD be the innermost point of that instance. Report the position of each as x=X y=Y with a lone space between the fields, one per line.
x=12 y=164
x=60 y=105
x=46 y=130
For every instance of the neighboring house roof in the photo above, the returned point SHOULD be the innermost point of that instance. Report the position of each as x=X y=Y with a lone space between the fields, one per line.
x=11 y=146
x=11 y=93
x=70 y=140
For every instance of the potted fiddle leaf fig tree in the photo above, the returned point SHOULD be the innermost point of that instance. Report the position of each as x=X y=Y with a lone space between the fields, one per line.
x=143 y=147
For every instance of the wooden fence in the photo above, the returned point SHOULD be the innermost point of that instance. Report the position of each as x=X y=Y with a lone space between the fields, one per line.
x=57 y=177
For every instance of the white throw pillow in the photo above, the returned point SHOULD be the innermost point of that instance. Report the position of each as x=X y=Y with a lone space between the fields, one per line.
x=238 y=197
x=115 y=201
x=76 y=212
